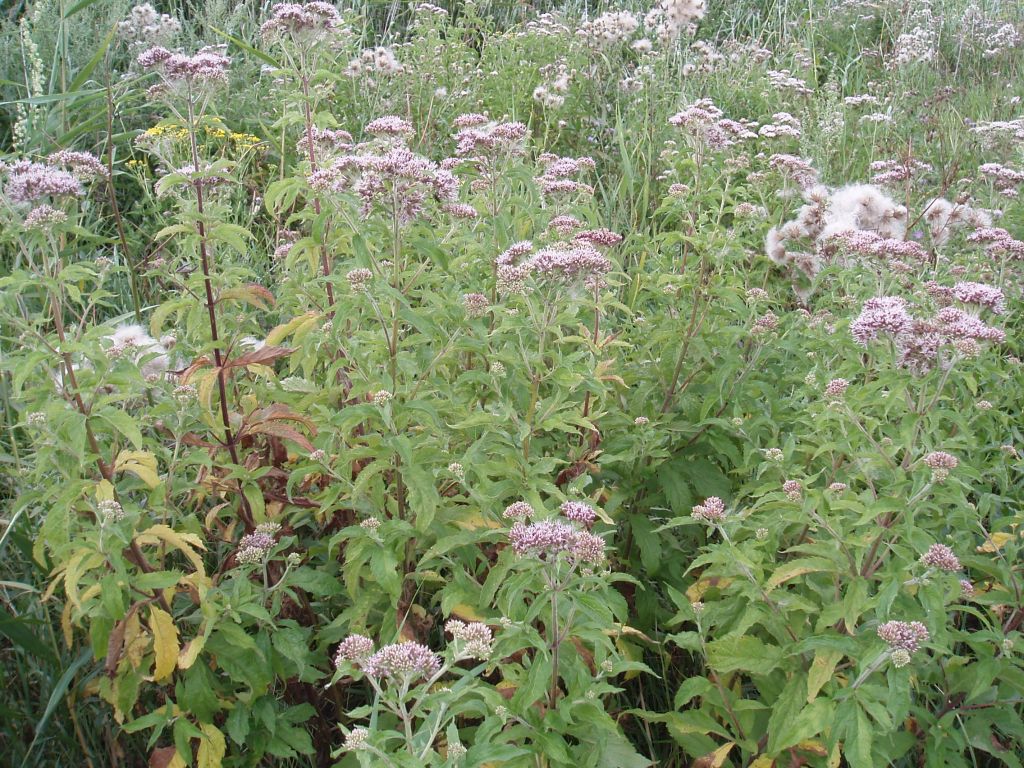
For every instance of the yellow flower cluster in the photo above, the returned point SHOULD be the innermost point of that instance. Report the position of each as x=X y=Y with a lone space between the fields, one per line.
x=173 y=132
x=242 y=141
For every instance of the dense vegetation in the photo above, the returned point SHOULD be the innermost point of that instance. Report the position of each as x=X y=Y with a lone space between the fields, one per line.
x=492 y=385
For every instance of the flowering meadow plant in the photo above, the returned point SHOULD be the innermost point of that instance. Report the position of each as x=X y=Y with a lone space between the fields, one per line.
x=464 y=386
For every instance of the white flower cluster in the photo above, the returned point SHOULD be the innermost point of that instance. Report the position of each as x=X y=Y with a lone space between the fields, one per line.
x=145 y=27
x=375 y=61
x=669 y=20
x=608 y=29
x=920 y=43
x=551 y=92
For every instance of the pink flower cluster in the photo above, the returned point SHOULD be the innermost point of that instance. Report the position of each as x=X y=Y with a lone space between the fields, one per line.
x=896 y=171
x=390 y=126
x=518 y=510
x=881 y=315
x=868 y=243
x=711 y=511
x=476 y=304
x=474 y=638
x=325 y=140
x=600 y=237
x=556 y=180
x=983 y=295
x=28 y=182
x=43 y=217
x=578 y=512
x=796 y=168
x=565 y=262
x=565 y=225
x=706 y=124
x=254 y=546
x=941 y=460
x=404 y=662
x=942 y=557
x=208 y=66
x=1006 y=180
x=998 y=241
x=304 y=23
x=919 y=341
x=479 y=136
x=547 y=539
x=388 y=176
x=82 y=165
x=904 y=635
x=836 y=388
x=354 y=648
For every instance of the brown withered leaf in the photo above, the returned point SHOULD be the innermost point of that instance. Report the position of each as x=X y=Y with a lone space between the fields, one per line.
x=262 y=356
x=197 y=364
x=116 y=642
x=277 y=429
x=250 y=293
x=114 y=645
x=280 y=411
x=162 y=757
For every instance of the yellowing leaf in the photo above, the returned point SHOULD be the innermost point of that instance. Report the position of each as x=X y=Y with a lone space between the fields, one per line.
x=466 y=612
x=813 y=746
x=211 y=748
x=205 y=389
x=821 y=670
x=624 y=630
x=475 y=521
x=995 y=542
x=165 y=642
x=630 y=652
x=82 y=562
x=142 y=464
x=181 y=541
x=714 y=759
x=104 y=491
x=136 y=639
x=283 y=331
x=762 y=761
x=191 y=650
x=797 y=568
x=696 y=591
x=65 y=625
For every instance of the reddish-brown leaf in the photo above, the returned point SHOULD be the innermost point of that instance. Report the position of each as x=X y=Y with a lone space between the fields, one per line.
x=283 y=431
x=161 y=757
x=262 y=356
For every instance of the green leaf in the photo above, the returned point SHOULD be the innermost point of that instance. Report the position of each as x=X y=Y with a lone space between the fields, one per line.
x=123 y=423
x=56 y=696
x=857 y=747
x=247 y=48
x=16 y=630
x=743 y=653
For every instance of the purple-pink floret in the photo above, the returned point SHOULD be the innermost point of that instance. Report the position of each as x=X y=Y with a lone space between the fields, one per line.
x=983 y=295
x=564 y=262
x=208 y=65
x=28 y=182
x=942 y=557
x=881 y=315
x=904 y=635
x=542 y=538
x=941 y=460
x=712 y=510
x=354 y=648
x=403 y=661
x=578 y=512
x=389 y=125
